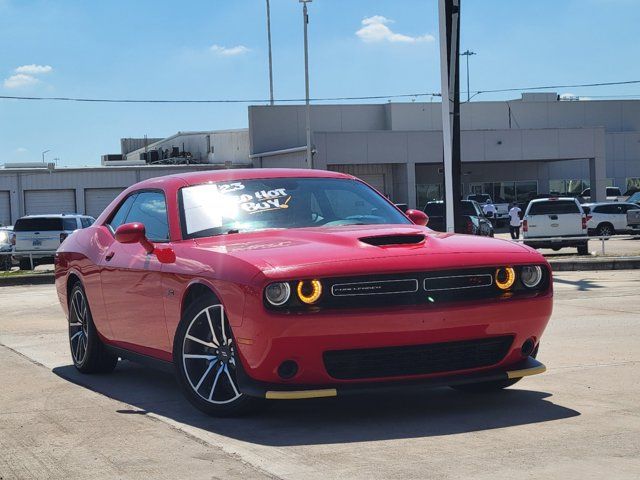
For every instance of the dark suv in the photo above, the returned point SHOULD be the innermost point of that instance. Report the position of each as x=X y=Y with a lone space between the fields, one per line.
x=471 y=221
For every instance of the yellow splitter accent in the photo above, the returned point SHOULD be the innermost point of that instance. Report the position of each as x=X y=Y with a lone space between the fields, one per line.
x=525 y=372
x=298 y=394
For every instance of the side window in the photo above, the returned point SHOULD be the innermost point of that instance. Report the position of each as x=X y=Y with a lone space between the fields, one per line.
x=150 y=209
x=69 y=224
x=121 y=214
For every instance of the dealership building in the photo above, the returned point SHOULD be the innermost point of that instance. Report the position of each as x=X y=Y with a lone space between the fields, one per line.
x=512 y=150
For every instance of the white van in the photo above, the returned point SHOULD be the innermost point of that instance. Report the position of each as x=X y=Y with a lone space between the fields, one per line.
x=44 y=233
x=560 y=219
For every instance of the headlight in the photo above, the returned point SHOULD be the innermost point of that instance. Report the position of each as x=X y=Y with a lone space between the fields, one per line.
x=309 y=291
x=531 y=275
x=4 y=237
x=505 y=278
x=277 y=293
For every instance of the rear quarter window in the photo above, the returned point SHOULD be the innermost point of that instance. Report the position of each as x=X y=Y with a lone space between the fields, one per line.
x=554 y=207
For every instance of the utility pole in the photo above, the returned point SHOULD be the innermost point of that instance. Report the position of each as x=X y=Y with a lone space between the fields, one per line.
x=305 y=19
x=467 y=54
x=270 y=60
x=449 y=19
x=46 y=151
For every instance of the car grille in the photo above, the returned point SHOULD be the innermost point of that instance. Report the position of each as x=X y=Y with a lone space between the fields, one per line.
x=416 y=359
x=427 y=288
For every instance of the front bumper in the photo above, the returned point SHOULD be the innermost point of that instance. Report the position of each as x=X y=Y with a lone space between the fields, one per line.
x=265 y=340
x=527 y=367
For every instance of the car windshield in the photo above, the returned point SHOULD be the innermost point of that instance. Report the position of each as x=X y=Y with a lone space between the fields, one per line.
x=257 y=204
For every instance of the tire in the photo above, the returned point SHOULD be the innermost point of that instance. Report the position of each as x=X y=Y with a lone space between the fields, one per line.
x=25 y=264
x=605 y=230
x=5 y=262
x=583 y=249
x=206 y=361
x=88 y=352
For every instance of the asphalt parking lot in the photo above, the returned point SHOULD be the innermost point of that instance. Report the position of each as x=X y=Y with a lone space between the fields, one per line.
x=581 y=419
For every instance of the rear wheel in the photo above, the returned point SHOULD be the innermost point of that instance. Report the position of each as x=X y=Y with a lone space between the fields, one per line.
x=87 y=350
x=605 y=230
x=206 y=360
x=5 y=262
x=25 y=264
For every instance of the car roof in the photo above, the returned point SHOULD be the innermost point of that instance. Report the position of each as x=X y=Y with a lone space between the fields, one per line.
x=196 y=178
x=552 y=199
x=55 y=215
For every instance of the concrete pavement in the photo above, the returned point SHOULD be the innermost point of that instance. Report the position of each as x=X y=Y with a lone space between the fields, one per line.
x=579 y=420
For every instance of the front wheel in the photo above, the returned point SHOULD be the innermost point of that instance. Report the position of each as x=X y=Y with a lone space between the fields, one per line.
x=206 y=360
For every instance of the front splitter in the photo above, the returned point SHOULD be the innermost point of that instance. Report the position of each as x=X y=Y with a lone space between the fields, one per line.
x=253 y=388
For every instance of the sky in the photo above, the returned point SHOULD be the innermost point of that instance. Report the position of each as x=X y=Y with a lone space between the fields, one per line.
x=217 y=49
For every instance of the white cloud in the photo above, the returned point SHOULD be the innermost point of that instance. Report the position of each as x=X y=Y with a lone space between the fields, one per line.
x=34 y=69
x=21 y=150
x=375 y=29
x=20 y=80
x=229 y=51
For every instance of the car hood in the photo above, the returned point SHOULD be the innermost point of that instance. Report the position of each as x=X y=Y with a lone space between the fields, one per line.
x=363 y=249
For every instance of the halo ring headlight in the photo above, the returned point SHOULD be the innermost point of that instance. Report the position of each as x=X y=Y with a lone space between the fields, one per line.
x=278 y=293
x=309 y=291
x=505 y=277
x=531 y=276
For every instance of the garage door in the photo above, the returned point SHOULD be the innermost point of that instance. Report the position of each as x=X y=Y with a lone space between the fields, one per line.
x=37 y=202
x=97 y=199
x=375 y=180
x=5 y=208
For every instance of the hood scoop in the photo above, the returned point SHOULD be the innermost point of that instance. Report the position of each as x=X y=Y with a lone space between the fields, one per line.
x=390 y=240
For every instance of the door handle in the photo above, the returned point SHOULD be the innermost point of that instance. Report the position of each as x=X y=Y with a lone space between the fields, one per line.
x=109 y=256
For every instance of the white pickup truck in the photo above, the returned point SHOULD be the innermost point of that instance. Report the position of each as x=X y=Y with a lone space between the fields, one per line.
x=502 y=209
x=555 y=223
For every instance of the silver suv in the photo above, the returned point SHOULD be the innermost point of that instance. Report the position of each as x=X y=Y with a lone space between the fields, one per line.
x=37 y=237
x=6 y=240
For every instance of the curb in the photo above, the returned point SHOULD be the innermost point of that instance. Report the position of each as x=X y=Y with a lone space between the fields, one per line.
x=39 y=279
x=590 y=264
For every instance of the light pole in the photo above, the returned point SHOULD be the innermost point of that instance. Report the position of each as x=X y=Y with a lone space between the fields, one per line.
x=43 y=154
x=270 y=63
x=305 y=20
x=467 y=54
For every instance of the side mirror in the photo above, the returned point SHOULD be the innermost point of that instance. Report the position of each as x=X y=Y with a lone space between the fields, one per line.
x=134 y=233
x=418 y=217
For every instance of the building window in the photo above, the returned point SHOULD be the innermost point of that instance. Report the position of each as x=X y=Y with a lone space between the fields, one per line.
x=520 y=191
x=633 y=184
x=427 y=192
x=572 y=186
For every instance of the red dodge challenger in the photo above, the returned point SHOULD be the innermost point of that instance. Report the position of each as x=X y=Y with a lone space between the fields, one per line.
x=281 y=284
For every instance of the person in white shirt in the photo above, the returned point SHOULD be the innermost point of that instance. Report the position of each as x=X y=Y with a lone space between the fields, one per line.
x=490 y=210
x=514 y=221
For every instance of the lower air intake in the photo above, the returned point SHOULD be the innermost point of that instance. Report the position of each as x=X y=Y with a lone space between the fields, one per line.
x=416 y=359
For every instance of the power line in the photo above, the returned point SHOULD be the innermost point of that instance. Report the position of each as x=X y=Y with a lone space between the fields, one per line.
x=301 y=100
x=285 y=100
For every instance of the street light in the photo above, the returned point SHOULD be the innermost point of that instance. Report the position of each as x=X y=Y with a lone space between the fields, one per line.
x=270 y=63
x=305 y=20
x=467 y=54
x=43 y=154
